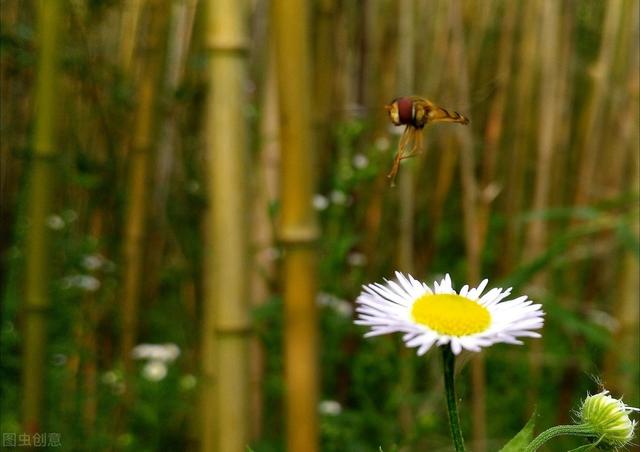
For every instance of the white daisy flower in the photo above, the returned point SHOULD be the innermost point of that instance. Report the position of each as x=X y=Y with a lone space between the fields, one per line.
x=466 y=320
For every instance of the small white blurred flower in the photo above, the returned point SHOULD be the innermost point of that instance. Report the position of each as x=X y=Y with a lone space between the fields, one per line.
x=55 y=222
x=165 y=353
x=341 y=307
x=604 y=319
x=93 y=262
x=360 y=161
x=338 y=197
x=330 y=407
x=84 y=282
x=89 y=283
x=154 y=370
x=356 y=259
x=320 y=202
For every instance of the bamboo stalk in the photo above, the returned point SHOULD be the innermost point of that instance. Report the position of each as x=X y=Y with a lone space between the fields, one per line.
x=619 y=114
x=405 y=86
x=163 y=168
x=91 y=315
x=589 y=133
x=138 y=186
x=266 y=189
x=470 y=202
x=10 y=173
x=129 y=32
x=226 y=322
x=536 y=236
x=494 y=128
x=592 y=115
x=180 y=31
x=524 y=92
x=324 y=70
x=617 y=373
x=374 y=93
x=406 y=203
x=298 y=230
x=467 y=158
x=382 y=53
x=342 y=67
x=483 y=14
x=36 y=298
x=565 y=90
x=447 y=154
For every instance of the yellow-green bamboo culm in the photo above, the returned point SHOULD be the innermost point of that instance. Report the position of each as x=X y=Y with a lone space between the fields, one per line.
x=138 y=183
x=406 y=200
x=471 y=224
x=38 y=262
x=225 y=340
x=536 y=237
x=298 y=230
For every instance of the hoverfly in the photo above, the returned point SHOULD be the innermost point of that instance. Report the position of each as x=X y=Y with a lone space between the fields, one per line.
x=414 y=113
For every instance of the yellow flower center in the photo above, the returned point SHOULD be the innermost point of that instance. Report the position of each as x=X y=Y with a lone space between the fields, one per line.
x=450 y=314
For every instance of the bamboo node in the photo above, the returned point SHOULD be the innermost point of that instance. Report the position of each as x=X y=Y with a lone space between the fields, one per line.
x=299 y=234
x=234 y=330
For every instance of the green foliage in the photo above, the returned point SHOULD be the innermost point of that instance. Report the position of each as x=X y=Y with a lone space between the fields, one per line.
x=519 y=442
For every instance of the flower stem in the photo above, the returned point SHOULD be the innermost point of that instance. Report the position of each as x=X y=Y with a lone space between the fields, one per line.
x=448 y=362
x=575 y=430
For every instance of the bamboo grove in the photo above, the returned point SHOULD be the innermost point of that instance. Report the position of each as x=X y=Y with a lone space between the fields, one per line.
x=192 y=193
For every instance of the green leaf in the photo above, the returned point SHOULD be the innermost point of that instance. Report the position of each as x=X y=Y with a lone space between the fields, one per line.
x=522 y=439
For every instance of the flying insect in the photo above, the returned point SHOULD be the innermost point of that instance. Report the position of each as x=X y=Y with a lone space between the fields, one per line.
x=414 y=113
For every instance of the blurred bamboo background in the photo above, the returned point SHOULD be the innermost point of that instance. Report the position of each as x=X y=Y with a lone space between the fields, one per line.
x=210 y=177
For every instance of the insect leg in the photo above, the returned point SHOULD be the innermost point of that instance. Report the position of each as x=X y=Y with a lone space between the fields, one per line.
x=400 y=154
x=417 y=145
x=405 y=139
x=395 y=167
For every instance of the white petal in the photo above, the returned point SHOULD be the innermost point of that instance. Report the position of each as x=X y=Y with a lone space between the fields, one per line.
x=456 y=348
x=407 y=286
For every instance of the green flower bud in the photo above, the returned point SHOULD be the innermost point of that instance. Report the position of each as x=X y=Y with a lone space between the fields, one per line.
x=609 y=419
